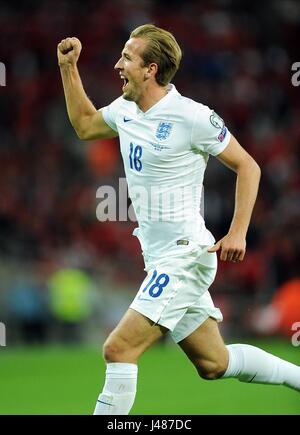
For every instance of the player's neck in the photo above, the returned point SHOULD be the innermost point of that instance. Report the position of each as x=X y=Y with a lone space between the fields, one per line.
x=151 y=96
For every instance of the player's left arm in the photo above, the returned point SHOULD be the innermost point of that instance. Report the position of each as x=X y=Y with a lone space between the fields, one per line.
x=233 y=245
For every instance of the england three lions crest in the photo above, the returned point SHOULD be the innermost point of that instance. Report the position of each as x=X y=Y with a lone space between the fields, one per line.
x=163 y=130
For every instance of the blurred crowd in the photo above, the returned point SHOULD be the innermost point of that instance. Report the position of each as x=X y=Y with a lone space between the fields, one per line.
x=237 y=60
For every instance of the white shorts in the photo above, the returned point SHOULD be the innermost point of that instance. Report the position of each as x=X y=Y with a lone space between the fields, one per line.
x=175 y=292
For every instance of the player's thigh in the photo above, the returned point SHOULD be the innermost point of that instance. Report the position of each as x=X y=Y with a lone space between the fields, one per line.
x=133 y=335
x=205 y=346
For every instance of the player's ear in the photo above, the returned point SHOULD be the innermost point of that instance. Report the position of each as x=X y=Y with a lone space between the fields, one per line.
x=151 y=70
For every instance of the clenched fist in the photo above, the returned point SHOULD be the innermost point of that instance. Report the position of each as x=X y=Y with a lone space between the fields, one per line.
x=68 y=51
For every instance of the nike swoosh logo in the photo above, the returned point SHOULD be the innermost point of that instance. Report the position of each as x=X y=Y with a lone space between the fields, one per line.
x=252 y=378
x=108 y=404
x=127 y=119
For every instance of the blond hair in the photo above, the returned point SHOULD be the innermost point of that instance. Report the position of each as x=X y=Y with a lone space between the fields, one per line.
x=162 y=49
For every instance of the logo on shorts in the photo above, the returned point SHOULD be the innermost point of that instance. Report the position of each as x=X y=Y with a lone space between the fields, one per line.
x=140 y=298
x=163 y=130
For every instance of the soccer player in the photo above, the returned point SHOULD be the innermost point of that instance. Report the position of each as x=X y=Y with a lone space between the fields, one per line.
x=165 y=142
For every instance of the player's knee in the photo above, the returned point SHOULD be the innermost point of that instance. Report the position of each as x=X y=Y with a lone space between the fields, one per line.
x=211 y=370
x=112 y=350
x=116 y=350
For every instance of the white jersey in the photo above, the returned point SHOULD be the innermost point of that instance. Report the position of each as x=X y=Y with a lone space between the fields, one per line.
x=165 y=152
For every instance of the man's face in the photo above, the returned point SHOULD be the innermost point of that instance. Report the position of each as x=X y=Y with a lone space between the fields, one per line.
x=131 y=69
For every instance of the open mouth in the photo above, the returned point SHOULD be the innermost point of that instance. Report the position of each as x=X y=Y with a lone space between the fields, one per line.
x=126 y=81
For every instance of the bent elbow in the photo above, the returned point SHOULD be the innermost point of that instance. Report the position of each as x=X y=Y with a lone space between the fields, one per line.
x=81 y=135
x=256 y=172
x=252 y=166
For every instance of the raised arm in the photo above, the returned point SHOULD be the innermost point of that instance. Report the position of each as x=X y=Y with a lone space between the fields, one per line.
x=233 y=245
x=86 y=120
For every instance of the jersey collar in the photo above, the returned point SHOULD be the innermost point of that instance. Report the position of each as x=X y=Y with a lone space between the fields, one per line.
x=171 y=91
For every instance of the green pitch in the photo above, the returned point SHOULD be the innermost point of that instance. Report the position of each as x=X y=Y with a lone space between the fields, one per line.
x=68 y=380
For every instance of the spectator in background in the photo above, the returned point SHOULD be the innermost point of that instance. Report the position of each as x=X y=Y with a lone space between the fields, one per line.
x=27 y=311
x=70 y=302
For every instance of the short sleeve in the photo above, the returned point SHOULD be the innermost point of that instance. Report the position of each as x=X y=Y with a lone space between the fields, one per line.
x=209 y=133
x=110 y=113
